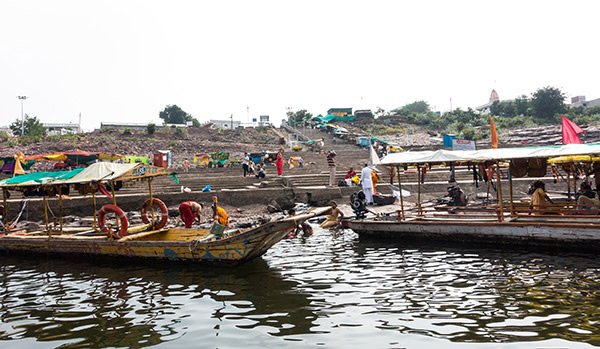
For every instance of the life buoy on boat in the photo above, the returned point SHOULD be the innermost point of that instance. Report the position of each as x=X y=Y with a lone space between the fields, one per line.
x=164 y=213
x=123 y=221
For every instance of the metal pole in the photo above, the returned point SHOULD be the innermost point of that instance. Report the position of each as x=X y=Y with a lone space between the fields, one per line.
x=499 y=187
x=400 y=188
x=22 y=98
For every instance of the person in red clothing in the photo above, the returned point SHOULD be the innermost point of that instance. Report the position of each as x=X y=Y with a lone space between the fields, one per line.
x=279 y=162
x=189 y=211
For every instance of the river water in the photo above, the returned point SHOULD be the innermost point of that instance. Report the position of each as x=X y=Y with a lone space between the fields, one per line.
x=332 y=290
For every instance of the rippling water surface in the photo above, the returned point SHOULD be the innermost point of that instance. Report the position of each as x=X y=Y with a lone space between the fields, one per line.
x=332 y=290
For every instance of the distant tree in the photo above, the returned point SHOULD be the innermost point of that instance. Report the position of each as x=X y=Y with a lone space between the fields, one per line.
x=547 y=102
x=151 y=128
x=414 y=107
x=33 y=127
x=195 y=122
x=172 y=114
x=495 y=108
x=297 y=118
x=522 y=105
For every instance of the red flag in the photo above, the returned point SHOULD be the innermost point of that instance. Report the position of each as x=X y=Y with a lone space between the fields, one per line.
x=494 y=134
x=570 y=131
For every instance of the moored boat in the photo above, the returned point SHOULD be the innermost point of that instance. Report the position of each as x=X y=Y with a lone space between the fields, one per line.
x=151 y=240
x=513 y=221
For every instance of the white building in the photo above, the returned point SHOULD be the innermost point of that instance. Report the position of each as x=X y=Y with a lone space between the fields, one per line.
x=225 y=124
x=579 y=101
x=61 y=128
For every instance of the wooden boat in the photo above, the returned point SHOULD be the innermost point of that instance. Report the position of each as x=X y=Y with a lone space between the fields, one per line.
x=150 y=241
x=514 y=222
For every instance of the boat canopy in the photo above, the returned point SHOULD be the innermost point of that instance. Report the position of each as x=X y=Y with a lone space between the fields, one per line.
x=101 y=171
x=463 y=156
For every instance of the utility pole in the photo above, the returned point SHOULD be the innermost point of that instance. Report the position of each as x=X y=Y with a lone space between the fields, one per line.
x=22 y=99
x=231 y=121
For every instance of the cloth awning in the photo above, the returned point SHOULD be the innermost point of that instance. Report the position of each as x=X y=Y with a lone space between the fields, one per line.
x=444 y=156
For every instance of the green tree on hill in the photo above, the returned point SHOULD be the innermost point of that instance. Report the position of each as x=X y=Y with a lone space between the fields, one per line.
x=297 y=118
x=417 y=107
x=33 y=127
x=547 y=102
x=172 y=114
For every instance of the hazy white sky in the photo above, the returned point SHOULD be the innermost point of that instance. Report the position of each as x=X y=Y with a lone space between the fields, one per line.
x=124 y=61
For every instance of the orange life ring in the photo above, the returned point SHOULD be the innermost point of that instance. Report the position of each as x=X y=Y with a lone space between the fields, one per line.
x=124 y=222
x=164 y=213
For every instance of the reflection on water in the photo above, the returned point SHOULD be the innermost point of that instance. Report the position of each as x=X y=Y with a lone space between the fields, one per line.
x=331 y=290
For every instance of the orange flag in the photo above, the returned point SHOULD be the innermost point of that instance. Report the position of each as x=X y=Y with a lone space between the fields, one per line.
x=494 y=134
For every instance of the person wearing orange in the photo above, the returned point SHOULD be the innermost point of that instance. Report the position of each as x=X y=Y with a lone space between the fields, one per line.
x=189 y=211
x=279 y=162
x=219 y=214
x=374 y=179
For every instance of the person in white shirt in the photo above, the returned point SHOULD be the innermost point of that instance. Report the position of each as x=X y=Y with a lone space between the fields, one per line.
x=367 y=183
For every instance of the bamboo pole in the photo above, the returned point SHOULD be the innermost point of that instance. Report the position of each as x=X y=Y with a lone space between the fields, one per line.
x=151 y=202
x=569 y=185
x=95 y=223
x=114 y=201
x=419 y=212
x=401 y=198
x=510 y=193
x=46 y=216
x=499 y=192
x=60 y=208
x=5 y=204
x=574 y=179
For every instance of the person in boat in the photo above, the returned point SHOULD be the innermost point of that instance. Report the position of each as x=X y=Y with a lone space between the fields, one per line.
x=587 y=199
x=457 y=196
x=189 y=212
x=219 y=214
x=539 y=198
x=367 y=183
x=334 y=216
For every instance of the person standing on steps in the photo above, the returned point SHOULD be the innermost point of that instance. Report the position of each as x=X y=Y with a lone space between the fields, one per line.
x=367 y=183
x=331 y=164
x=279 y=162
x=246 y=164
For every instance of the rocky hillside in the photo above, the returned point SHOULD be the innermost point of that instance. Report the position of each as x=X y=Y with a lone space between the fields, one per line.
x=183 y=143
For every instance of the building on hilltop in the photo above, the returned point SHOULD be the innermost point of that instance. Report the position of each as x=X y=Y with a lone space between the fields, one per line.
x=61 y=128
x=485 y=108
x=580 y=102
x=122 y=125
x=364 y=113
x=339 y=111
x=226 y=124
